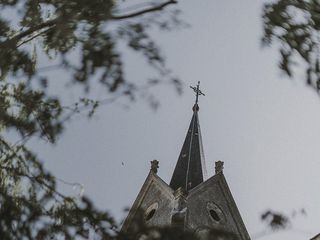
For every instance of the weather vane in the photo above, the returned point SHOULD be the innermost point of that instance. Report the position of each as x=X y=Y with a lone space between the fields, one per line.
x=197 y=91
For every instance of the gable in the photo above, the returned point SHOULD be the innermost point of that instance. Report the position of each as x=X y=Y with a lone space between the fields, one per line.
x=154 y=201
x=317 y=237
x=211 y=205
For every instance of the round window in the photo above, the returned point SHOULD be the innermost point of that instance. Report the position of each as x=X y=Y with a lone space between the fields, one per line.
x=215 y=212
x=151 y=210
x=214 y=215
x=150 y=214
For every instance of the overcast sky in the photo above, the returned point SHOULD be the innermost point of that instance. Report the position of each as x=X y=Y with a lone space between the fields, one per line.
x=263 y=126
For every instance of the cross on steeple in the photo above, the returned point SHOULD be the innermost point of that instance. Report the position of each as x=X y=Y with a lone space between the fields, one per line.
x=197 y=91
x=190 y=170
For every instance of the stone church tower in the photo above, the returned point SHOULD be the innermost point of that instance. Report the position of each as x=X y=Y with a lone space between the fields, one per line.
x=190 y=201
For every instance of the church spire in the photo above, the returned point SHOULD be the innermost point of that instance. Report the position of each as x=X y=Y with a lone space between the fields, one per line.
x=190 y=169
x=191 y=202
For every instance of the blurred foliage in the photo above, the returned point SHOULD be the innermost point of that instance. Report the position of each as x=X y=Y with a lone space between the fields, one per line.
x=295 y=25
x=275 y=220
x=86 y=40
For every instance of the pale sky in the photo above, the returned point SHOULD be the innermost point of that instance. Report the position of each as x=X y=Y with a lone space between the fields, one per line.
x=264 y=126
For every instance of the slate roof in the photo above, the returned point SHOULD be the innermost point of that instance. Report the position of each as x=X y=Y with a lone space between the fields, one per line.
x=190 y=168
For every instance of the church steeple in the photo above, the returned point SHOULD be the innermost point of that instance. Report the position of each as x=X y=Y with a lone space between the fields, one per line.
x=190 y=169
x=191 y=202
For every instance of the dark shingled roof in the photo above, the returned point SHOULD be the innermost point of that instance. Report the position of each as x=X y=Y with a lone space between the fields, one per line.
x=190 y=169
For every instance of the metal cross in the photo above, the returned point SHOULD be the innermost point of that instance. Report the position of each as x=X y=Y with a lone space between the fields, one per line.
x=197 y=91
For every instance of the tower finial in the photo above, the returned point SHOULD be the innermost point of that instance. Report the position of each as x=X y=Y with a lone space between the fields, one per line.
x=198 y=93
x=154 y=166
x=219 y=167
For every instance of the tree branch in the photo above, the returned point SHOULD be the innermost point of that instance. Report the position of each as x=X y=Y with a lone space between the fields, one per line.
x=29 y=31
x=53 y=22
x=144 y=11
x=32 y=178
x=33 y=37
